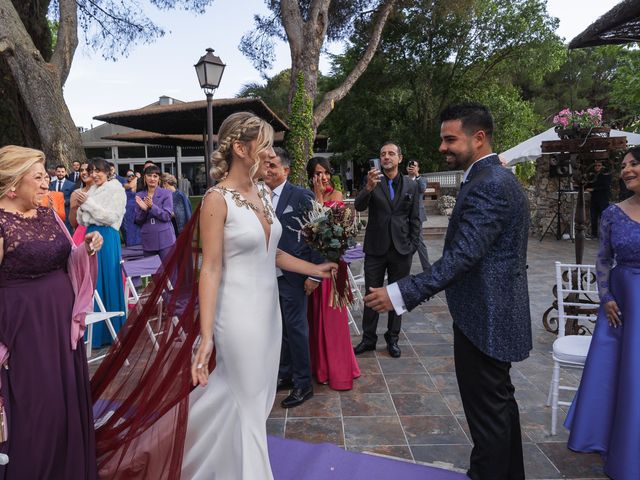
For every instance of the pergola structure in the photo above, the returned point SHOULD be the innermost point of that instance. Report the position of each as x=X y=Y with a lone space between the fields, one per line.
x=619 y=25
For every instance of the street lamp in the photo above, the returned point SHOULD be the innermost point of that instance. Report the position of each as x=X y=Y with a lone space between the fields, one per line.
x=209 y=69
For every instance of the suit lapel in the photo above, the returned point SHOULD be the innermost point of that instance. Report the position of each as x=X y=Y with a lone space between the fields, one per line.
x=287 y=190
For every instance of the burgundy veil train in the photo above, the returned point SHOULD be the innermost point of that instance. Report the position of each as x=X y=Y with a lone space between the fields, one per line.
x=141 y=389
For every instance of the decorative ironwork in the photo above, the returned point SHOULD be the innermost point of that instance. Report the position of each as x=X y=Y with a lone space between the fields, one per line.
x=589 y=306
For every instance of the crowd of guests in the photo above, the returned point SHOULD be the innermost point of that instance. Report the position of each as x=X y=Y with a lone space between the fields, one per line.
x=58 y=260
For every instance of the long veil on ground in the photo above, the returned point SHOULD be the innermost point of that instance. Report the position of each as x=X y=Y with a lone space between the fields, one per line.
x=141 y=388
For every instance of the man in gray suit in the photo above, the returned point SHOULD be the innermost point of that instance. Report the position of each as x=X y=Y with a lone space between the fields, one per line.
x=483 y=272
x=413 y=172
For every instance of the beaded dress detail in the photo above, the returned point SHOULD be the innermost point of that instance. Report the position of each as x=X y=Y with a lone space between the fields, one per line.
x=33 y=246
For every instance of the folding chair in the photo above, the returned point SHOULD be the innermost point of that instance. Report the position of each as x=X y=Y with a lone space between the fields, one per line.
x=570 y=351
x=101 y=316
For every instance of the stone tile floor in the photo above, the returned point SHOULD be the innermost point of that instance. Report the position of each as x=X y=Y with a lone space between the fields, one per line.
x=410 y=407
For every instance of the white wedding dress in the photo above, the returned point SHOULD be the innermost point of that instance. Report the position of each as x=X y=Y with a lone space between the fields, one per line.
x=226 y=433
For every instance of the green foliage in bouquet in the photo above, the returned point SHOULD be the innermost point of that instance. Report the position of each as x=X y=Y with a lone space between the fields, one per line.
x=329 y=230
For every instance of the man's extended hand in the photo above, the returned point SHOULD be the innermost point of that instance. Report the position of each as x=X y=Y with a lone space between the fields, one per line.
x=378 y=299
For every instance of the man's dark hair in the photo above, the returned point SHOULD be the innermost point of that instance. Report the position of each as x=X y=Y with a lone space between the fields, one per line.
x=474 y=117
x=285 y=159
x=60 y=166
x=391 y=142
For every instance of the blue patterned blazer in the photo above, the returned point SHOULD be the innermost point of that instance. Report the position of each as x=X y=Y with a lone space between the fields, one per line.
x=483 y=264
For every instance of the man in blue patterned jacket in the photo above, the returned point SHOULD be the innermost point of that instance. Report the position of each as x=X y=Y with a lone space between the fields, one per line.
x=483 y=272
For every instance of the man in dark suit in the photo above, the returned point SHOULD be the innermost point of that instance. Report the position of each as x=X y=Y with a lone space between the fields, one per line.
x=74 y=174
x=290 y=202
x=61 y=184
x=392 y=236
x=483 y=272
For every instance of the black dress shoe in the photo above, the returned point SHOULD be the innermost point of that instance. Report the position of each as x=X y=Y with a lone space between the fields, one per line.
x=297 y=397
x=392 y=345
x=284 y=384
x=363 y=347
x=393 y=349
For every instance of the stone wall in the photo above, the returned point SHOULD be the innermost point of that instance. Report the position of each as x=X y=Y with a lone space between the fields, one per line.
x=543 y=200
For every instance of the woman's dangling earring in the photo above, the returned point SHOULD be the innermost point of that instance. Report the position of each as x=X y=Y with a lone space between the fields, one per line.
x=12 y=193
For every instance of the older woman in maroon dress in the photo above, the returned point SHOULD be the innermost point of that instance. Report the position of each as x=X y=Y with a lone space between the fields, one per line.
x=45 y=381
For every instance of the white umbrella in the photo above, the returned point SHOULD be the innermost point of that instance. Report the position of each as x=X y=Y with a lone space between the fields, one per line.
x=531 y=149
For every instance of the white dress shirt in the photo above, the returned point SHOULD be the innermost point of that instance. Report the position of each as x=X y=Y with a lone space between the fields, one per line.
x=275 y=197
x=275 y=194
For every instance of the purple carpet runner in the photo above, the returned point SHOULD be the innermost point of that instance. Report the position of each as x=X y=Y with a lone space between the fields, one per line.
x=296 y=460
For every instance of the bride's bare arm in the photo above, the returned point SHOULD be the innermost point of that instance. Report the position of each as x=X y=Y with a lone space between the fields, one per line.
x=287 y=262
x=212 y=217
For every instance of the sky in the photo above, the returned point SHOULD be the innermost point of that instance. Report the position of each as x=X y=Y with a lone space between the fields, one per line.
x=165 y=67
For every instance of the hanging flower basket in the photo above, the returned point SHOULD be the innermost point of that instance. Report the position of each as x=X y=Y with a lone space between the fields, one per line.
x=573 y=133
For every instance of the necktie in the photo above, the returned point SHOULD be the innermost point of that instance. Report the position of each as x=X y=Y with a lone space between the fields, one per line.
x=58 y=186
x=274 y=200
x=391 y=192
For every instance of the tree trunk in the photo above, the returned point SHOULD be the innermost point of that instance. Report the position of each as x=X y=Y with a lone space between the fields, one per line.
x=39 y=83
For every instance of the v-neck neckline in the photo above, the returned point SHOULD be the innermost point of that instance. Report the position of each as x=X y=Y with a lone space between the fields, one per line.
x=253 y=208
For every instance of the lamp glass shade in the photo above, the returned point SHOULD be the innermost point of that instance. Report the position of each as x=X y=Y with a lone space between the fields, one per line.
x=209 y=69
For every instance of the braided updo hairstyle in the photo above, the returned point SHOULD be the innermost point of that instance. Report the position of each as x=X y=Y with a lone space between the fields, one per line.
x=243 y=127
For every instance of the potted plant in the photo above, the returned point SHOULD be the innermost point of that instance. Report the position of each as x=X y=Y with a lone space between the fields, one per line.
x=580 y=124
x=446 y=204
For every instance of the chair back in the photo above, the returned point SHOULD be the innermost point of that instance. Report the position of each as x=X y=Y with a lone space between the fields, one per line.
x=577 y=292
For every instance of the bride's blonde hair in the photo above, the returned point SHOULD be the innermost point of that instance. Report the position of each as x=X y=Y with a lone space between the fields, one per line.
x=242 y=127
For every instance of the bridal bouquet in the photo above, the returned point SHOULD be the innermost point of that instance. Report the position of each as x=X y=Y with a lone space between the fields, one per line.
x=330 y=230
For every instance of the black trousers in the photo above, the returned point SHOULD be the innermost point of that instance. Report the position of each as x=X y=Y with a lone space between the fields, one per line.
x=396 y=266
x=491 y=410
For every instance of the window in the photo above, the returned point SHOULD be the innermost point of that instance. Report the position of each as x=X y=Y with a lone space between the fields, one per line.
x=104 y=152
x=131 y=152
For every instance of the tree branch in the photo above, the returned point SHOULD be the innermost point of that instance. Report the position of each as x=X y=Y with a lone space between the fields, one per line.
x=328 y=101
x=293 y=24
x=67 y=39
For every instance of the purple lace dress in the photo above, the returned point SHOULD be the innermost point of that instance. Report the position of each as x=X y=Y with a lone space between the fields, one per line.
x=46 y=386
x=605 y=414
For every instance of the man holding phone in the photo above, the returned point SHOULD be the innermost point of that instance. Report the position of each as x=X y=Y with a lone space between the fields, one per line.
x=391 y=238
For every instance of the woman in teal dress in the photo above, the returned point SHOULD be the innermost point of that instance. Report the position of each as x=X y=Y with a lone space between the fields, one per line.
x=102 y=210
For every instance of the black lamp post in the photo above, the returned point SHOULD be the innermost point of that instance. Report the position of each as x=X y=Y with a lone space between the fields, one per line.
x=209 y=69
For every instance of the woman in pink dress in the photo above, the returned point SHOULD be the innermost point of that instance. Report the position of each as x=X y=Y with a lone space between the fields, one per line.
x=78 y=196
x=332 y=357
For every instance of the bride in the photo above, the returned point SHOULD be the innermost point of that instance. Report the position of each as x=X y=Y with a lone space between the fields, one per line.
x=148 y=425
x=226 y=432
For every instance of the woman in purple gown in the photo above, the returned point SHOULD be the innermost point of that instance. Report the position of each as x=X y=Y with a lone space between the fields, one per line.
x=45 y=382
x=605 y=414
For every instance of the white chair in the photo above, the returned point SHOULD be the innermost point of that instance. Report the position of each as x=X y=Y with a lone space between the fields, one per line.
x=573 y=282
x=100 y=316
x=356 y=280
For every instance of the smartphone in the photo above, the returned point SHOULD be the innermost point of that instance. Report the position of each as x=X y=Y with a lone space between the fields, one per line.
x=374 y=163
